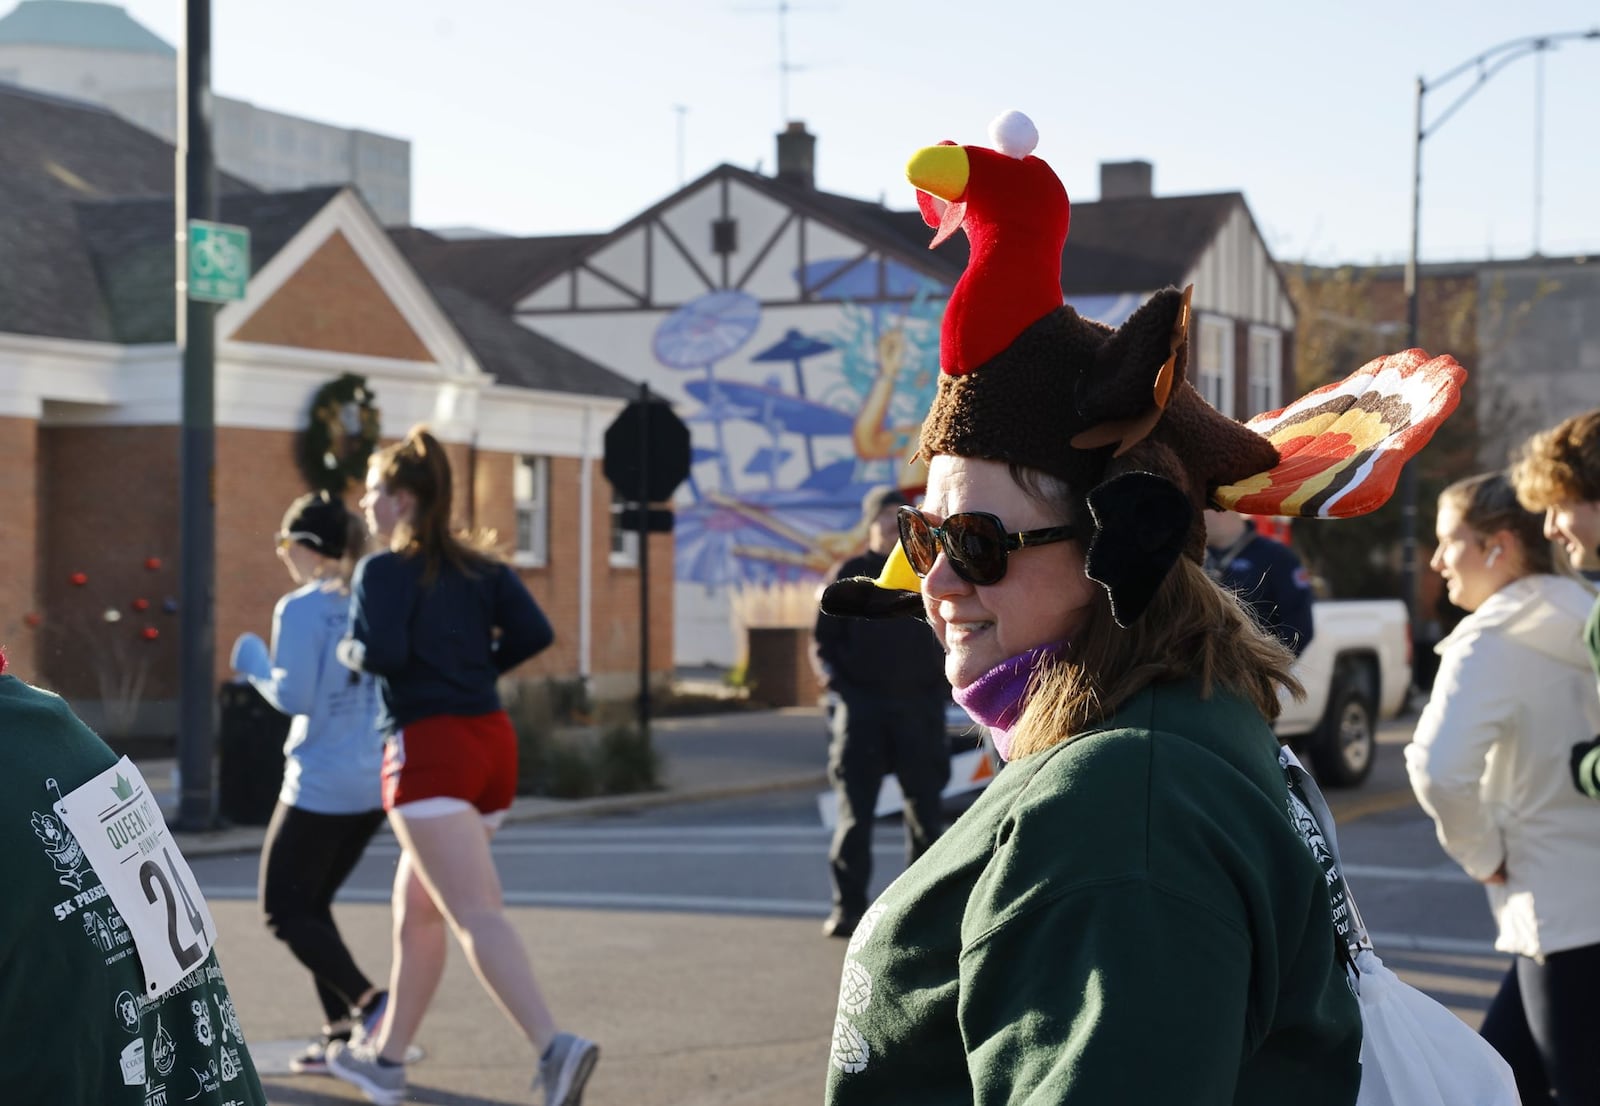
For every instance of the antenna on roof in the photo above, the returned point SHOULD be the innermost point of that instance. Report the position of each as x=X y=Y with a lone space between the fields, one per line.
x=682 y=111
x=785 y=67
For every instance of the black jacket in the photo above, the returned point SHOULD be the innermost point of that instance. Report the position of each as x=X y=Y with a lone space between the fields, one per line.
x=895 y=656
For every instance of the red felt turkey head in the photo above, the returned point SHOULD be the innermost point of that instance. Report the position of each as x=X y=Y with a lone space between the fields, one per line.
x=1016 y=215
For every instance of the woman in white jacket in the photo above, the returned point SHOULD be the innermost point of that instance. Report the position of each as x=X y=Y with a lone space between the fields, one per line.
x=1488 y=762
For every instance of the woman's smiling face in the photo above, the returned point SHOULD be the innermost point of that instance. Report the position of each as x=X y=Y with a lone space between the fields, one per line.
x=1043 y=597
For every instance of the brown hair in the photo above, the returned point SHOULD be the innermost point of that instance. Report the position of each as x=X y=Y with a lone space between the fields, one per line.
x=1193 y=628
x=1488 y=504
x=418 y=464
x=1560 y=464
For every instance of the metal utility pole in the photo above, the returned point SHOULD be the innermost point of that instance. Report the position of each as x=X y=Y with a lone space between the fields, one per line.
x=196 y=198
x=644 y=569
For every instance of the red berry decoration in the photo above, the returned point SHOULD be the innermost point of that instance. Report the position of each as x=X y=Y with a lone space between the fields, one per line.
x=152 y=563
x=141 y=605
x=33 y=619
x=79 y=579
x=149 y=633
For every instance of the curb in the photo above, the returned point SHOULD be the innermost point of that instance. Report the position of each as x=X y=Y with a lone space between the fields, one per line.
x=1358 y=807
x=248 y=839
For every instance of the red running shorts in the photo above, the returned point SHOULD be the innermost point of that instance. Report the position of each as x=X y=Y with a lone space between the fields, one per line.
x=468 y=757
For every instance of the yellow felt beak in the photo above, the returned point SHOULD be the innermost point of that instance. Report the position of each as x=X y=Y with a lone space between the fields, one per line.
x=940 y=171
x=897 y=574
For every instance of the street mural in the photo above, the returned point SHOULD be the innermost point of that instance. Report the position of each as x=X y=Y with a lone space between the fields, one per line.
x=790 y=435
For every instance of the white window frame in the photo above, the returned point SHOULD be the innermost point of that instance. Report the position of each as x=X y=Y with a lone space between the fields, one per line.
x=1265 y=372
x=530 y=492
x=1213 y=376
x=624 y=543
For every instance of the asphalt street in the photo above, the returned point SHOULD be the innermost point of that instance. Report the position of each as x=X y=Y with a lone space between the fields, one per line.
x=686 y=938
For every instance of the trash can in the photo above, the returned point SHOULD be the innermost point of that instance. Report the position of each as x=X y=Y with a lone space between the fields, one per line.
x=250 y=739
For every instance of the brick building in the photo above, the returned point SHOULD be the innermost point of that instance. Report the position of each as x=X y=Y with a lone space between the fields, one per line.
x=90 y=407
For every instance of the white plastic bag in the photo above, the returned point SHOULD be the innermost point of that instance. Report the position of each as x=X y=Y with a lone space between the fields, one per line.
x=1414 y=1052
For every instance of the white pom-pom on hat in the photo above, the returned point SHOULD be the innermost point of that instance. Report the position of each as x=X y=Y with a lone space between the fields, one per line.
x=1014 y=134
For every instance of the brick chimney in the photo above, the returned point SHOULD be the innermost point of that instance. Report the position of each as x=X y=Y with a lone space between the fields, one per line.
x=1126 y=180
x=797 y=155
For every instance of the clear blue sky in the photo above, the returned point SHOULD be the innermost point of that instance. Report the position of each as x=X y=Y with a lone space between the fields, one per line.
x=533 y=117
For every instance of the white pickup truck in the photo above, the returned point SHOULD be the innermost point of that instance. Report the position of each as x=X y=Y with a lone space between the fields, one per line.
x=1356 y=671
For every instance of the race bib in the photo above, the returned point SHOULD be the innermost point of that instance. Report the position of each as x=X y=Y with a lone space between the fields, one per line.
x=119 y=826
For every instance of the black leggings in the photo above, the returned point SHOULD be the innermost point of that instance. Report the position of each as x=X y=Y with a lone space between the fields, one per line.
x=304 y=859
x=1545 y=1021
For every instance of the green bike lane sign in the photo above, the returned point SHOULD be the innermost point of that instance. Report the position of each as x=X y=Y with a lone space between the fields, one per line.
x=219 y=261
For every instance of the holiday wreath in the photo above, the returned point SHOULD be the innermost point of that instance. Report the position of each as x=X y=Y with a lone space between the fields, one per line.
x=340 y=434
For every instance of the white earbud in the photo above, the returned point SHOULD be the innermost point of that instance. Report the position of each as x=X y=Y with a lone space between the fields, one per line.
x=1494 y=555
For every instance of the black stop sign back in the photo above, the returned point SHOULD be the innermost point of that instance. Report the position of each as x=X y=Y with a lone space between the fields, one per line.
x=665 y=465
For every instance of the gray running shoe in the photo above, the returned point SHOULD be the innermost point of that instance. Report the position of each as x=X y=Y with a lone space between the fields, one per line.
x=565 y=1068
x=358 y=1065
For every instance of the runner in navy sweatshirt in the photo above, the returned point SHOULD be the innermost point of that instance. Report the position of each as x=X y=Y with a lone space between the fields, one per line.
x=437 y=621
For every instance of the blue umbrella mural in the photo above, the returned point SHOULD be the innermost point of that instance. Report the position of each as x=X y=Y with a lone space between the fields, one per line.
x=795 y=348
x=774 y=409
x=698 y=335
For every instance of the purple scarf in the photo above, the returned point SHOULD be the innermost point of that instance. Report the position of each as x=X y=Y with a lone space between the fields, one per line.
x=996 y=698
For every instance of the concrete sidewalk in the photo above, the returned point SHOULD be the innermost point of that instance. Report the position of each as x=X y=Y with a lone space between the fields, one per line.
x=703 y=757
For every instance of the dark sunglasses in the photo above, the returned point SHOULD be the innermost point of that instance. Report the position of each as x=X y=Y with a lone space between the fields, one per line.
x=975 y=543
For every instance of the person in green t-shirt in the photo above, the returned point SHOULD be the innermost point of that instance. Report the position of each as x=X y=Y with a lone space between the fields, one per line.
x=1130 y=912
x=74 y=1007
x=1558 y=472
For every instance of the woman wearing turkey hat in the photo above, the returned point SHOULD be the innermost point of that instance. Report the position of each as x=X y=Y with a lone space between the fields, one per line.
x=1128 y=913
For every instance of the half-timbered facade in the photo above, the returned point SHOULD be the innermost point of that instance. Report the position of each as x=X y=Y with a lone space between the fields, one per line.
x=797 y=331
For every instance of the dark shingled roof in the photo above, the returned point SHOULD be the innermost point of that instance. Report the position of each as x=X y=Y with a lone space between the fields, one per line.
x=1140 y=244
x=515 y=355
x=59 y=154
x=493 y=270
x=130 y=247
x=476 y=281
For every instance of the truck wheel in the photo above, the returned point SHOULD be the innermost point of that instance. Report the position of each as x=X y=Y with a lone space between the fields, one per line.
x=1346 y=742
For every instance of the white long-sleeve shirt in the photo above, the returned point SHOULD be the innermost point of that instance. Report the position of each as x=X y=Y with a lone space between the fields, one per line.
x=1489 y=762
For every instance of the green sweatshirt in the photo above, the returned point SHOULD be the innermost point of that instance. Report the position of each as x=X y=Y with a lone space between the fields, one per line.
x=78 y=1029
x=1128 y=917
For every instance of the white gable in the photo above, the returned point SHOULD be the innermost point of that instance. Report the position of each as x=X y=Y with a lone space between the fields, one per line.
x=1236 y=276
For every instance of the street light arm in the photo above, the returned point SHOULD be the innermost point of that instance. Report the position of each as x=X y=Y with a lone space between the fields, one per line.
x=1522 y=45
x=1483 y=78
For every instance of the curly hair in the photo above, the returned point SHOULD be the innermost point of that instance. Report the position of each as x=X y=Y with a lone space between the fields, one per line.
x=1561 y=464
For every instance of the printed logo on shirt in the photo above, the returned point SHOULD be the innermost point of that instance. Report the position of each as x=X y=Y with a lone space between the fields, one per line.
x=99 y=931
x=231 y=1067
x=855 y=987
x=128 y=1011
x=163 y=1050
x=849 y=1051
x=1302 y=578
x=228 y=1019
x=59 y=844
x=202 y=1021
x=207 y=1080
x=133 y=1064
x=155 y=1095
